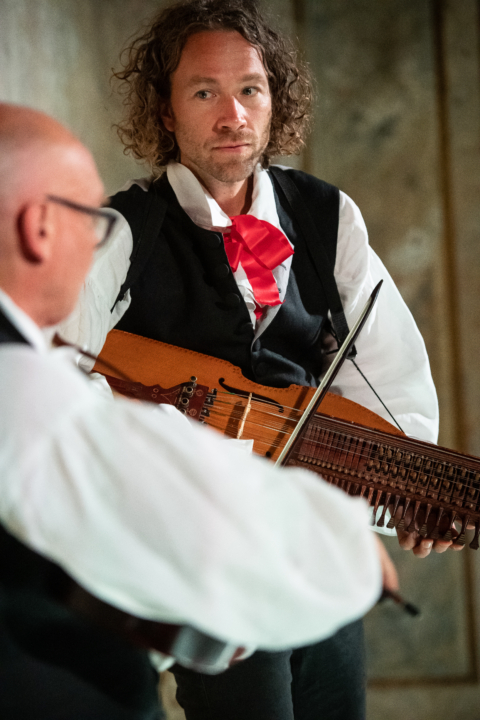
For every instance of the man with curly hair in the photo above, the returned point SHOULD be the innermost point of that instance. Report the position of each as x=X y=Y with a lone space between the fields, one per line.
x=261 y=266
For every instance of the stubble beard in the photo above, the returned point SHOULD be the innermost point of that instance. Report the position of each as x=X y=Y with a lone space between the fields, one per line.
x=231 y=170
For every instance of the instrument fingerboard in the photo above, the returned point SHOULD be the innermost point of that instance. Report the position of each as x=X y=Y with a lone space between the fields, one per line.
x=384 y=467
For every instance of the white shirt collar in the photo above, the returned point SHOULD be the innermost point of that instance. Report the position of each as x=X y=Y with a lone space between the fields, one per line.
x=23 y=322
x=205 y=212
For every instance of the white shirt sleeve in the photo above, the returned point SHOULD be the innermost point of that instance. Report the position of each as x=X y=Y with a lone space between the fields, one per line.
x=391 y=351
x=163 y=520
x=93 y=318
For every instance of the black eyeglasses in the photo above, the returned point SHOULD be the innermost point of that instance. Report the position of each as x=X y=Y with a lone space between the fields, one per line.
x=104 y=219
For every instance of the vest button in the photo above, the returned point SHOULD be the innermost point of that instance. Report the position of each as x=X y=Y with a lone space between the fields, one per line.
x=213 y=240
x=261 y=368
x=221 y=271
x=232 y=300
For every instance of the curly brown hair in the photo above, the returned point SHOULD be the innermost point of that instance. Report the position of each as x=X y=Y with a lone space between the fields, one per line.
x=154 y=56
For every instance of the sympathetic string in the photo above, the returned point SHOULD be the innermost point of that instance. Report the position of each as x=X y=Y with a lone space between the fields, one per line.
x=350 y=449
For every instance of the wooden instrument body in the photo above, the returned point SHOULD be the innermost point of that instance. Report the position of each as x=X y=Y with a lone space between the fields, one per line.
x=350 y=446
x=151 y=362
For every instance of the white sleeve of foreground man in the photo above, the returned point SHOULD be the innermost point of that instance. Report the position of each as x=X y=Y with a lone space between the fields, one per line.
x=163 y=520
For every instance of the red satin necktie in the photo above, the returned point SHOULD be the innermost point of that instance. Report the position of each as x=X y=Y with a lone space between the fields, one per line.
x=260 y=247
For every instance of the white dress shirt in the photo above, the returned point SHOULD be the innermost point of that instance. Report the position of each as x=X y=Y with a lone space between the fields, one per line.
x=391 y=351
x=163 y=519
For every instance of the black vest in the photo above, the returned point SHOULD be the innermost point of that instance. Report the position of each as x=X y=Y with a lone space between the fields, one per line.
x=54 y=663
x=186 y=294
x=9 y=333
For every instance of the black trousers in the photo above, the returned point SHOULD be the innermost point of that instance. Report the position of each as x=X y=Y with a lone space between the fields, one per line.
x=325 y=681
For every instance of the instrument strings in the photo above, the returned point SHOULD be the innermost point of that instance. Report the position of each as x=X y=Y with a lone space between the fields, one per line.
x=350 y=448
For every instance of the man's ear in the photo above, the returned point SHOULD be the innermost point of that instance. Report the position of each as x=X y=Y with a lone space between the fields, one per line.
x=168 y=118
x=36 y=231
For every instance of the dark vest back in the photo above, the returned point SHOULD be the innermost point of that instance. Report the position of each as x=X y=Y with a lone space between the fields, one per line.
x=186 y=294
x=9 y=333
x=54 y=663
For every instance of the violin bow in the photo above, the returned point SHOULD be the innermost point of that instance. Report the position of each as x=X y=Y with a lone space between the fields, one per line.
x=329 y=377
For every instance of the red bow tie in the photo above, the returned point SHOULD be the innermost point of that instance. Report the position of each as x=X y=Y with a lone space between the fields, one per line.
x=260 y=247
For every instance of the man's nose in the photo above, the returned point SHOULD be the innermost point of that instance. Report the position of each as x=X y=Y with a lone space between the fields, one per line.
x=232 y=114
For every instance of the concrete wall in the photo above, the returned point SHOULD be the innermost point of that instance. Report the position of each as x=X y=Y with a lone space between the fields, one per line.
x=57 y=56
x=398 y=128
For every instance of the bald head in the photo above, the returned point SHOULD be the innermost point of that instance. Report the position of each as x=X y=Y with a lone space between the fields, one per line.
x=21 y=125
x=32 y=145
x=40 y=158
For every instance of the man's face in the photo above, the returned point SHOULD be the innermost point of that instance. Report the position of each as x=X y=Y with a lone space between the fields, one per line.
x=220 y=106
x=75 y=237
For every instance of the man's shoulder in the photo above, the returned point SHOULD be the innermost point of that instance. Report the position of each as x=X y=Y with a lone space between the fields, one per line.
x=308 y=185
x=132 y=191
x=310 y=199
x=39 y=385
x=131 y=201
x=315 y=205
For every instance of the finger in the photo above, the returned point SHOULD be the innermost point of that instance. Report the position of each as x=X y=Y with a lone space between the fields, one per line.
x=423 y=549
x=407 y=541
x=441 y=546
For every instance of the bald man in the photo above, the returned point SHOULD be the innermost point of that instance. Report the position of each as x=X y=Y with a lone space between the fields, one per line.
x=128 y=504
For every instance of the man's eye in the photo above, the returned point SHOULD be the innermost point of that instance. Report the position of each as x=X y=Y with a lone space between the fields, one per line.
x=203 y=94
x=250 y=91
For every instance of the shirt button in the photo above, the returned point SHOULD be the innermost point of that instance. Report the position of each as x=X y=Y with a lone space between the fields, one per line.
x=232 y=300
x=221 y=271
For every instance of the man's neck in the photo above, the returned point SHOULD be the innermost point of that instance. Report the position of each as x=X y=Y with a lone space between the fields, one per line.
x=233 y=198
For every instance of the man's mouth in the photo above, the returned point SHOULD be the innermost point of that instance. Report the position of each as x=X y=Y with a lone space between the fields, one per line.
x=231 y=146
